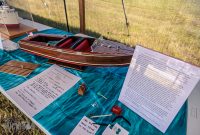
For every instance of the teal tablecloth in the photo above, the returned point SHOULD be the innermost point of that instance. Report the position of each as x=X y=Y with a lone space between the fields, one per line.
x=61 y=116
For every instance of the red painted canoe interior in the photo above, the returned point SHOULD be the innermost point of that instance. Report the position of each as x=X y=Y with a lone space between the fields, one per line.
x=72 y=42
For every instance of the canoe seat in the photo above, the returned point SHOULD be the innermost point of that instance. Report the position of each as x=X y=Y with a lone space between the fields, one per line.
x=84 y=46
x=66 y=44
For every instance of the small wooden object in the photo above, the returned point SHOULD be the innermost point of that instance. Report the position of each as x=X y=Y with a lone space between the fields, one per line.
x=18 y=68
x=10 y=33
x=82 y=89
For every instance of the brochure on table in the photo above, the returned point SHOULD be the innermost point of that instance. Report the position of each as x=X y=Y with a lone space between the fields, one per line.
x=156 y=86
x=7 y=45
x=34 y=95
x=1 y=44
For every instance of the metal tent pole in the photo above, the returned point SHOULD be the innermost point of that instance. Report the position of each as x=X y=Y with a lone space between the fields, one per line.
x=66 y=17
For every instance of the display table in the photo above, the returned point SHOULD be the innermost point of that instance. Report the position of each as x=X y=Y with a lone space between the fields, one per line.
x=61 y=116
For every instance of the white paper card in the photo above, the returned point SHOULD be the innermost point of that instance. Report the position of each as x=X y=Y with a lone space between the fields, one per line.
x=85 y=127
x=115 y=130
x=156 y=86
x=38 y=92
x=9 y=45
x=1 y=43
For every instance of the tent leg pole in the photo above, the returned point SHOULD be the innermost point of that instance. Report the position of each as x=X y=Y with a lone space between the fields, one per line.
x=82 y=15
x=66 y=17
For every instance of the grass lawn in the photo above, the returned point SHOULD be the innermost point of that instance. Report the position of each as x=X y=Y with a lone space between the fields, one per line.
x=168 y=26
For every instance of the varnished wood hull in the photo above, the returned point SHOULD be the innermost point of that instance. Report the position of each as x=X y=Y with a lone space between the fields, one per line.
x=75 y=57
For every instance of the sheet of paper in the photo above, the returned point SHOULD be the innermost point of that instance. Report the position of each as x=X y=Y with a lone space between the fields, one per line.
x=115 y=130
x=85 y=127
x=193 y=117
x=38 y=92
x=156 y=86
x=1 y=43
x=9 y=45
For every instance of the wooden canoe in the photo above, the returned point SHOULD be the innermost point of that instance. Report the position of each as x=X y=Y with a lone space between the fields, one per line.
x=73 y=50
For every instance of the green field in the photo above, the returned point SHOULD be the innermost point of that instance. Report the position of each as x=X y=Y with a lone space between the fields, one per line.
x=169 y=26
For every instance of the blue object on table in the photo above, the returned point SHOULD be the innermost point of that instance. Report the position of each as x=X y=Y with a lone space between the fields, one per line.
x=61 y=116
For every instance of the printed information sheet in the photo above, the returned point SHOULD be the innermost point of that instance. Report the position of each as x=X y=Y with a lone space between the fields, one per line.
x=85 y=127
x=156 y=86
x=115 y=130
x=1 y=44
x=38 y=92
